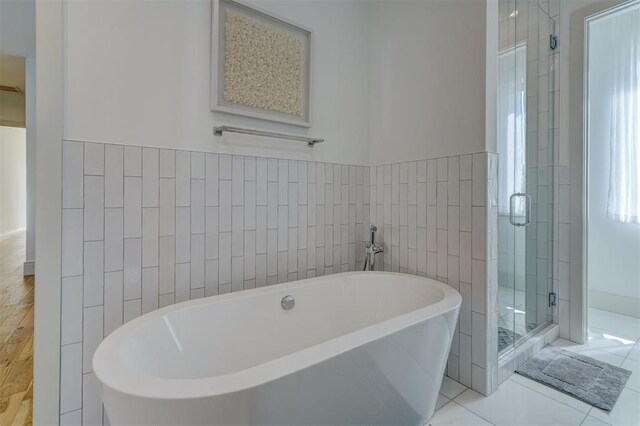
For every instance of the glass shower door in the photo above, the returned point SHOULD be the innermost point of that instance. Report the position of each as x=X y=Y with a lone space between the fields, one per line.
x=525 y=154
x=513 y=201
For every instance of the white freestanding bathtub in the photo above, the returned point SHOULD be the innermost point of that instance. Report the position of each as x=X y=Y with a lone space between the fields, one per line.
x=357 y=348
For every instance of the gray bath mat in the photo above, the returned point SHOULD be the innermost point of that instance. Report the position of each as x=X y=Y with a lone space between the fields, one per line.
x=587 y=379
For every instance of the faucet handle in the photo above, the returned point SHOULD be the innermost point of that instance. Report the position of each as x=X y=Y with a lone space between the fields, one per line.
x=373 y=228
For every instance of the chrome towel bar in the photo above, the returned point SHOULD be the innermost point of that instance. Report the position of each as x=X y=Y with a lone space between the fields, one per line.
x=219 y=130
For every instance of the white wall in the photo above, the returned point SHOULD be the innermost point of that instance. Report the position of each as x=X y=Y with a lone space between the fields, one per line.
x=13 y=175
x=613 y=247
x=427 y=79
x=397 y=79
x=49 y=81
x=17 y=38
x=17 y=27
x=138 y=73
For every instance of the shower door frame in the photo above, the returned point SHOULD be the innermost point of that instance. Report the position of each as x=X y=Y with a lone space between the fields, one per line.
x=551 y=253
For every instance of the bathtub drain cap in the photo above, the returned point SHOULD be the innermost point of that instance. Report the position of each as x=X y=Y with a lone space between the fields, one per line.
x=288 y=302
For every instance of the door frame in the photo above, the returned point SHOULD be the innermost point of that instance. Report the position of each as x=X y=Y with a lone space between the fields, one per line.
x=578 y=144
x=49 y=90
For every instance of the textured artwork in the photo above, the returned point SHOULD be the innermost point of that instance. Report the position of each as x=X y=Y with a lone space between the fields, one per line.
x=263 y=66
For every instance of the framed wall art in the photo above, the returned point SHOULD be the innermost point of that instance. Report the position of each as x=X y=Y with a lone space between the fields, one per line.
x=261 y=64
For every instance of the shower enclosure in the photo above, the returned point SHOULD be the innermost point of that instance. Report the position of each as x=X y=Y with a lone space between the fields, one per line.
x=526 y=65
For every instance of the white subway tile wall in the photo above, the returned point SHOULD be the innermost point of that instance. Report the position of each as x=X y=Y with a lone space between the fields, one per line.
x=144 y=228
x=438 y=218
x=216 y=223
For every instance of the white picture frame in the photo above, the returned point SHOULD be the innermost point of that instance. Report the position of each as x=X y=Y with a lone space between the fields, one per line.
x=218 y=54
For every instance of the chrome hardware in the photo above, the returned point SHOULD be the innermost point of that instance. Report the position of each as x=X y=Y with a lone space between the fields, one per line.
x=218 y=131
x=553 y=41
x=288 y=302
x=373 y=230
x=371 y=248
x=552 y=299
x=527 y=209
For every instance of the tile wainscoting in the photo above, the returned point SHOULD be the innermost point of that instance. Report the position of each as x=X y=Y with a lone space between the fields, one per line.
x=144 y=228
x=438 y=218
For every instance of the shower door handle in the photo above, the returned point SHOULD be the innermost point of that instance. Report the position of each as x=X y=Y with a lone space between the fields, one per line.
x=527 y=208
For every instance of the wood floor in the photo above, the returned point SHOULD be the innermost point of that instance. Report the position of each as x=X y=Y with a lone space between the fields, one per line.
x=16 y=334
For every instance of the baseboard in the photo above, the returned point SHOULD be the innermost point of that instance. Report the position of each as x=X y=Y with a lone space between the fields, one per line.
x=615 y=303
x=29 y=268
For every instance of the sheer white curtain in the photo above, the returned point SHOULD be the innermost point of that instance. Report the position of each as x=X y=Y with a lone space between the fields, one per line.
x=624 y=174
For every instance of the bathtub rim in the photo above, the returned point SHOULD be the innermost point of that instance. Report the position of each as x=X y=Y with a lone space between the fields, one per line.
x=114 y=374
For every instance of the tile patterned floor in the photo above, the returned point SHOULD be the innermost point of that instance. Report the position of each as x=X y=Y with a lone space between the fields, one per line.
x=512 y=312
x=506 y=337
x=520 y=401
